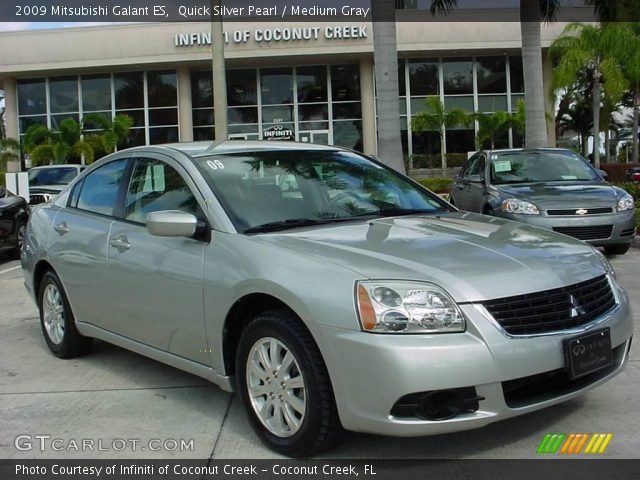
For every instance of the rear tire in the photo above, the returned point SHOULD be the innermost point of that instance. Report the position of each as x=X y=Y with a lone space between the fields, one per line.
x=19 y=240
x=57 y=320
x=616 y=249
x=285 y=386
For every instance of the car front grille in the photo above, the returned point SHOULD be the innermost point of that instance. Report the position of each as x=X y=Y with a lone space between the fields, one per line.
x=596 y=232
x=553 y=310
x=583 y=211
x=38 y=198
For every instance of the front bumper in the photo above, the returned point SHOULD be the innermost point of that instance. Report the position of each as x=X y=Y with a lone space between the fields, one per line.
x=370 y=372
x=623 y=224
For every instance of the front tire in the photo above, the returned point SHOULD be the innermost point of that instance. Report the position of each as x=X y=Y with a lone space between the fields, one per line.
x=285 y=386
x=616 y=249
x=57 y=320
x=19 y=240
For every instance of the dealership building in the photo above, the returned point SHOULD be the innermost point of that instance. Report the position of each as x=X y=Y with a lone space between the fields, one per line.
x=308 y=81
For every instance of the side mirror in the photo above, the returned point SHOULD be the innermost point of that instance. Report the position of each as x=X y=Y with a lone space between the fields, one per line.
x=603 y=174
x=171 y=223
x=475 y=179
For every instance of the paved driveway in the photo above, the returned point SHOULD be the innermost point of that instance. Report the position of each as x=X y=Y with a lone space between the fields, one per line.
x=114 y=399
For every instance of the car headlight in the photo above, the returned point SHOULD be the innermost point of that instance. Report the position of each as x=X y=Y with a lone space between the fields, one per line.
x=406 y=307
x=604 y=261
x=625 y=203
x=513 y=205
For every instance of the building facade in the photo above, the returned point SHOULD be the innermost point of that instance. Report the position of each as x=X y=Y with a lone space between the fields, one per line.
x=311 y=82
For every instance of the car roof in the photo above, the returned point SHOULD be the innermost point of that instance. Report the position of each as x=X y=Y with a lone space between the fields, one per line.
x=63 y=165
x=514 y=150
x=199 y=149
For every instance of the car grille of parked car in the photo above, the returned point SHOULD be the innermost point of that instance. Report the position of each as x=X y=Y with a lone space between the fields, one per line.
x=595 y=232
x=553 y=310
x=38 y=198
x=583 y=211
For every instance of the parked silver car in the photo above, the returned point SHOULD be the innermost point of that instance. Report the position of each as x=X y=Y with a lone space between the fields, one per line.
x=330 y=291
x=551 y=188
x=48 y=180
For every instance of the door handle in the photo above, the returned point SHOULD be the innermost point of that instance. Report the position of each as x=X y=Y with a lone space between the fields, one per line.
x=62 y=228
x=120 y=243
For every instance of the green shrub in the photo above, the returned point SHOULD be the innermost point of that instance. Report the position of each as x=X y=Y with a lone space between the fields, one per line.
x=437 y=185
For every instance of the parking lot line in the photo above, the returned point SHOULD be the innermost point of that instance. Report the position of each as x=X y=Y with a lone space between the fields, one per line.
x=9 y=269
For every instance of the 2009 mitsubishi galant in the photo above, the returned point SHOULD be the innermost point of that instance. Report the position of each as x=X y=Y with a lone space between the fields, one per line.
x=330 y=291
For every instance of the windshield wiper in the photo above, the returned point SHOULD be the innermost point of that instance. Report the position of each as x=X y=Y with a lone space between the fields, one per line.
x=285 y=224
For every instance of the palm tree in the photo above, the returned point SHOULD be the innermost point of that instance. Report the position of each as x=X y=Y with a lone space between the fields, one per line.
x=492 y=125
x=61 y=146
x=111 y=132
x=594 y=47
x=385 y=54
x=577 y=117
x=438 y=119
x=630 y=56
x=9 y=151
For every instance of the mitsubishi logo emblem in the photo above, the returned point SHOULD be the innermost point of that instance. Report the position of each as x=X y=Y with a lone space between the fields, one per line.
x=576 y=308
x=582 y=211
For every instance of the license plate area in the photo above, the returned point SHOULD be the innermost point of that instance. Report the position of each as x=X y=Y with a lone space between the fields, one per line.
x=588 y=353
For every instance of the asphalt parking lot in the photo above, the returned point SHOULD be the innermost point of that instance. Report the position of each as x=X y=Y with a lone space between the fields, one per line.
x=113 y=394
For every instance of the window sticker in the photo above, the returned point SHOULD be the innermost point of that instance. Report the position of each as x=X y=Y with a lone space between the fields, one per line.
x=502 y=166
x=215 y=164
x=568 y=177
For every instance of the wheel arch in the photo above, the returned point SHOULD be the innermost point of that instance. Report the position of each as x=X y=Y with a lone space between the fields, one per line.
x=40 y=269
x=240 y=315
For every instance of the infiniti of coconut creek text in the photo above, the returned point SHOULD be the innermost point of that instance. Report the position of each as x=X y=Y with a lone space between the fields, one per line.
x=176 y=470
x=202 y=12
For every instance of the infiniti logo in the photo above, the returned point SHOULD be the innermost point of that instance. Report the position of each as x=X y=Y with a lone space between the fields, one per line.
x=576 y=308
x=578 y=349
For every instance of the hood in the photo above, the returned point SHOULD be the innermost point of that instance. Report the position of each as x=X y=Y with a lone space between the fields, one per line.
x=52 y=189
x=469 y=256
x=563 y=195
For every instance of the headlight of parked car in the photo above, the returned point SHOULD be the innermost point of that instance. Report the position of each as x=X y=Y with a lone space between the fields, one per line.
x=625 y=203
x=513 y=205
x=604 y=261
x=406 y=307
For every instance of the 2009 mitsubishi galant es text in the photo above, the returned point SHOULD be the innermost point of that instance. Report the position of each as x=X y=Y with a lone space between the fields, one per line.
x=330 y=291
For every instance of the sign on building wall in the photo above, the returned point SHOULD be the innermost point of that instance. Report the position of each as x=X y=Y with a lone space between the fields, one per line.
x=276 y=34
x=278 y=132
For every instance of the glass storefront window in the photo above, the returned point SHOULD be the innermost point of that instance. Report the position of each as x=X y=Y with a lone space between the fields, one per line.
x=163 y=116
x=458 y=76
x=347 y=110
x=492 y=74
x=242 y=115
x=312 y=84
x=277 y=114
x=63 y=94
x=163 y=88
x=492 y=103
x=201 y=134
x=26 y=122
x=463 y=102
x=137 y=115
x=135 y=138
x=345 y=82
x=276 y=85
x=96 y=93
x=202 y=89
x=203 y=117
x=163 y=135
x=424 y=77
x=402 y=85
x=348 y=134
x=32 y=97
x=129 y=90
x=241 y=87
x=517 y=78
x=56 y=119
x=313 y=112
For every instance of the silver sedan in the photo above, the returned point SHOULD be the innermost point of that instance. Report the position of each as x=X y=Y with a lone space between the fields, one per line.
x=331 y=292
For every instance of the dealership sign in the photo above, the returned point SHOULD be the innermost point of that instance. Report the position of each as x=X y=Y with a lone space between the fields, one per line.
x=275 y=34
x=278 y=132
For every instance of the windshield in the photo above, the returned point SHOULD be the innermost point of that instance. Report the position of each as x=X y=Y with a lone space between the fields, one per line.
x=268 y=191
x=51 y=176
x=540 y=166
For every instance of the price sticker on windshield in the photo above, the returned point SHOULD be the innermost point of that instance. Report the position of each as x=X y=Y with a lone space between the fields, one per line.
x=502 y=166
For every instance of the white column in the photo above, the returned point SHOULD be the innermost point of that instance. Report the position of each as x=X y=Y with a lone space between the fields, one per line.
x=185 y=106
x=368 y=102
x=11 y=116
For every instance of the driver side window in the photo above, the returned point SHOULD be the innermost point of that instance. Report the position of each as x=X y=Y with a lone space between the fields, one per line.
x=156 y=186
